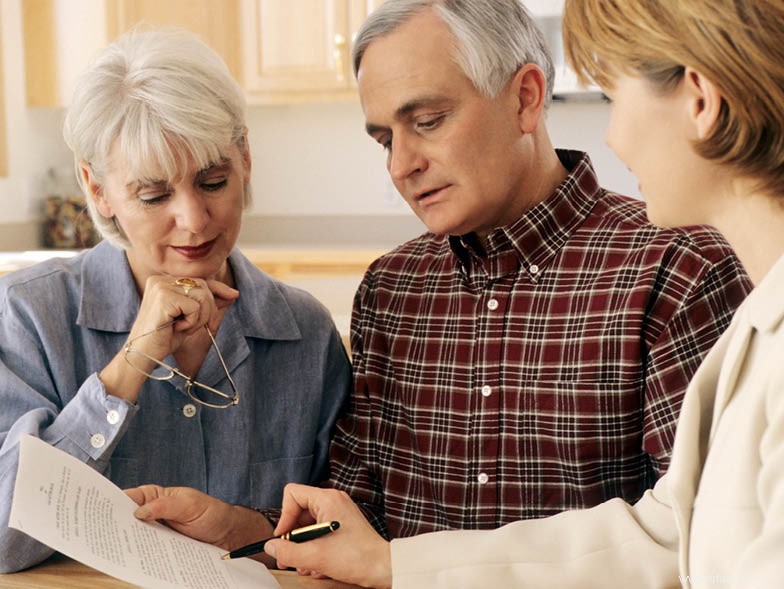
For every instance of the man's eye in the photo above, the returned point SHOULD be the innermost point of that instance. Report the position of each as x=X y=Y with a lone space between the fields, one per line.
x=429 y=123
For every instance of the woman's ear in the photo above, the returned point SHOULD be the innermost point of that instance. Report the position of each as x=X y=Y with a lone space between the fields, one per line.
x=95 y=190
x=530 y=90
x=704 y=102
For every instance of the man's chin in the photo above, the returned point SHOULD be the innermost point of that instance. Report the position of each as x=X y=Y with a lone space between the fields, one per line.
x=443 y=226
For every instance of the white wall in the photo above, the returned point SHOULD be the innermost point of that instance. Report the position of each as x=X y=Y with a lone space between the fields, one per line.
x=317 y=159
x=581 y=125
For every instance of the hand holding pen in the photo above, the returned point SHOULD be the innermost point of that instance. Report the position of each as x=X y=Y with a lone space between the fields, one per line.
x=358 y=554
x=299 y=535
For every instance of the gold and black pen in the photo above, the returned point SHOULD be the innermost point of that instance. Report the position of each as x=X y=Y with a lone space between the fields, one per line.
x=298 y=535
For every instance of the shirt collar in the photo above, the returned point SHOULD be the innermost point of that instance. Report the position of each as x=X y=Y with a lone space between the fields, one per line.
x=543 y=230
x=109 y=301
x=262 y=309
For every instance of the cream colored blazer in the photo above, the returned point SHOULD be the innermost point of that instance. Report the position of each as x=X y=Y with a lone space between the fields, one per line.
x=716 y=519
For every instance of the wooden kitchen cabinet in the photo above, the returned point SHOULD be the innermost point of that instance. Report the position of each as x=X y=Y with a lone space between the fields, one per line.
x=3 y=139
x=300 y=51
x=61 y=35
x=216 y=22
x=281 y=51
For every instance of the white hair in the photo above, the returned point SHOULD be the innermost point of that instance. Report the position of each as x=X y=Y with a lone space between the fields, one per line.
x=160 y=97
x=494 y=38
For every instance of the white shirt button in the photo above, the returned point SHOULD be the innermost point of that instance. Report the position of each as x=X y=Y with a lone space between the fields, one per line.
x=487 y=391
x=189 y=410
x=482 y=478
x=533 y=269
x=492 y=304
x=97 y=441
x=113 y=416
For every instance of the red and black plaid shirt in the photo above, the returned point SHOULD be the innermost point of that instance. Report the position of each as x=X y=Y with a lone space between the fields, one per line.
x=544 y=374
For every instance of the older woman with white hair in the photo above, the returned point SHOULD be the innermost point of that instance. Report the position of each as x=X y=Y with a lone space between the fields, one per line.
x=163 y=355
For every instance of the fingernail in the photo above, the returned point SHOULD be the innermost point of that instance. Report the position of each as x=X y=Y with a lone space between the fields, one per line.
x=269 y=548
x=142 y=513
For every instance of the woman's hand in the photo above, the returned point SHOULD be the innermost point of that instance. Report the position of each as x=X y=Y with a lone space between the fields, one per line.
x=171 y=310
x=184 y=309
x=354 y=553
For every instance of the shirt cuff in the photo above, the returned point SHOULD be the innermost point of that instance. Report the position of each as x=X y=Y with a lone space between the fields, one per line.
x=93 y=421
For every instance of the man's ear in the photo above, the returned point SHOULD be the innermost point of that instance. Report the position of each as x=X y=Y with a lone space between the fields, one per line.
x=530 y=89
x=705 y=102
x=95 y=190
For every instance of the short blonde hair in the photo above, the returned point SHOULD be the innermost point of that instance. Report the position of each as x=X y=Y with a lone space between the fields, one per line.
x=163 y=97
x=737 y=44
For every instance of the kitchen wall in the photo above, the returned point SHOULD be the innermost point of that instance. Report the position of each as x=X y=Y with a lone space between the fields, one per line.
x=318 y=180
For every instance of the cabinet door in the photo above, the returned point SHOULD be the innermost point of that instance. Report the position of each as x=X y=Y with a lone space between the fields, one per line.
x=216 y=22
x=300 y=51
x=60 y=36
x=3 y=148
x=293 y=50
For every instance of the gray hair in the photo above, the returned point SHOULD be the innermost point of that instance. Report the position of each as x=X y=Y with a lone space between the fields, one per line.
x=160 y=97
x=494 y=38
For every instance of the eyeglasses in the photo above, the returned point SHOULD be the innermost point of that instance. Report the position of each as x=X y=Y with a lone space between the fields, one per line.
x=200 y=393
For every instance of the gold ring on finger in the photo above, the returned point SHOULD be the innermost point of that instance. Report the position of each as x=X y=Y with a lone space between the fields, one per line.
x=187 y=284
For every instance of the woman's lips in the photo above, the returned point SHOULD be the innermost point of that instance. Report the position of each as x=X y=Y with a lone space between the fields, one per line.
x=195 y=252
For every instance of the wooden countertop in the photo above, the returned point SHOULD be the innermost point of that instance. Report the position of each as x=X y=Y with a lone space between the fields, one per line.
x=282 y=263
x=61 y=572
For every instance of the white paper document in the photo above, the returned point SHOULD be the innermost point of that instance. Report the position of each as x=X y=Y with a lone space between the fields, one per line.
x=73 y=509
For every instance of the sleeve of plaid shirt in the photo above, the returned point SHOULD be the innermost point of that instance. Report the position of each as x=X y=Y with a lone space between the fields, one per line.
x=353 y=445
x=694 y=306
x=700 y=285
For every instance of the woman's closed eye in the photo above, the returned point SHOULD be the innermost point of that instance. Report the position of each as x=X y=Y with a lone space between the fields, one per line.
x=152 y=199
x=213 y=184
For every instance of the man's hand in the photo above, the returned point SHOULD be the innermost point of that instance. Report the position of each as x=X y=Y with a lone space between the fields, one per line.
x=200 y=516
x=354 y=553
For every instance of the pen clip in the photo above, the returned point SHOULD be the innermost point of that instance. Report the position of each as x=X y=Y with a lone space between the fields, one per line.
x=311 y=532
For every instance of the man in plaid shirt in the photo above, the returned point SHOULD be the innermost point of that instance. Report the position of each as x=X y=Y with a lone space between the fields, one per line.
x=530 y=353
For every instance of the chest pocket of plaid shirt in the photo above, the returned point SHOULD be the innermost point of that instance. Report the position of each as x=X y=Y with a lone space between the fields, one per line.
x=595 y=415
x=583 y=440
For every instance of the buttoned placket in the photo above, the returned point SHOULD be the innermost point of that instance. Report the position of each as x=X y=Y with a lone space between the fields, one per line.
x=488 y=358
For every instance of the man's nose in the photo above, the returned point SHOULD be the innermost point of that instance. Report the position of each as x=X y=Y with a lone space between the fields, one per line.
x=405 y=158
